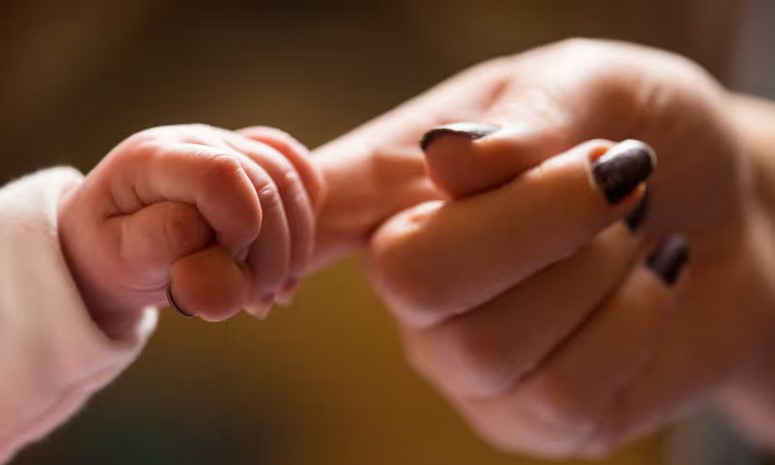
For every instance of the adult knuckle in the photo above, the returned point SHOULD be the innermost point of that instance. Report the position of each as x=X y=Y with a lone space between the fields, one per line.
x=559 y=403
x=406 y=278
x=399 y=280
x=480 y=363
x=509 y=438
x=538 y=442
x=149 y=134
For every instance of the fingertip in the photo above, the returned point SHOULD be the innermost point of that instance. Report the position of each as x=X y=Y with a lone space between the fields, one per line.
x=465 y=159
x=288 y=292
x=453 y=164
x=260 y=310
x=209 y=284
x=622 y=169
x=607 y=181
x=469 y=131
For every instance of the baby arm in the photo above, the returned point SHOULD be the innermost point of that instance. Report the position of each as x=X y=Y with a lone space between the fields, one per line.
x=227 y=219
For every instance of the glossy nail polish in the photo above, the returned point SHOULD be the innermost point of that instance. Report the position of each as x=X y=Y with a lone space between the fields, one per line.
x=620 y=170
x=636 y=217
x=669 y=258
x=473 y=131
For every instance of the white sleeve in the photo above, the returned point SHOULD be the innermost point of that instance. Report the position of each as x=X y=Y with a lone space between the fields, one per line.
x=52 y=356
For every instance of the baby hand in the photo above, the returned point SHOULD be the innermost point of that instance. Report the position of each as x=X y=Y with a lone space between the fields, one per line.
x=224 y=219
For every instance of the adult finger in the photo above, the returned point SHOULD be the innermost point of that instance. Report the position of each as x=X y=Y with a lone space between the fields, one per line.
x=464 y=159
x=442 y=259
x=486 y=351
x=560 y=408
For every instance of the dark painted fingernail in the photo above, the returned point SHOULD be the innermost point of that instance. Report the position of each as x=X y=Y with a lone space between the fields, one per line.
x=620 y=170
x=669 y=258
x=635 y=218
x=473 y=131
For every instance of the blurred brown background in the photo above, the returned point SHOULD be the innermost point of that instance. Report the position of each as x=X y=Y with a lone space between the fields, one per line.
x=322 y=382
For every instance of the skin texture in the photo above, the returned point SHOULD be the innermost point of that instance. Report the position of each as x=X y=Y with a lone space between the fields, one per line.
x=529 y=307
x=228 y=218
x=520 y=293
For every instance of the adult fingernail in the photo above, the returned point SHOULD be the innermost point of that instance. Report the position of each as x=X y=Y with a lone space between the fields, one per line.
x=623 y=168
x=472 y=131
x=288 y=292
x=635 y=218
x=669 y=258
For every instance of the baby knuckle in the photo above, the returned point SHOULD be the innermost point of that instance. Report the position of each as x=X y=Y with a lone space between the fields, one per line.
x=198 y=128
x=142 y=145
x=185 y=229
x=289 y=182
x=269 y=196
x=155 y=136
x=222 y=171
x=580 y=44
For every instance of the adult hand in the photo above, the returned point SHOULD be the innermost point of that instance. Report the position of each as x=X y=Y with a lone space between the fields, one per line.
x=521 y=295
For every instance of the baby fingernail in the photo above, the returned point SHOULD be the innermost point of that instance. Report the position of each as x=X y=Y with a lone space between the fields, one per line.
x=261 y=310
x=288 y=292
x=258 y=313
x=242 y=255
x=473 y=131
x=623 y=168
x=635 y=218
x=174 y=305
x=669 y=258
